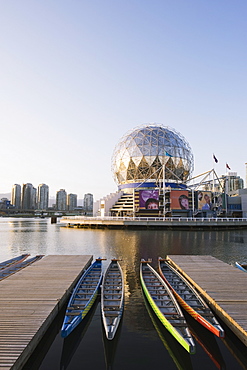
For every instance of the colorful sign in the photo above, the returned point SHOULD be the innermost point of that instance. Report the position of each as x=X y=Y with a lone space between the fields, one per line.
x=149 y=199
x=204 y=200
x=179 y=199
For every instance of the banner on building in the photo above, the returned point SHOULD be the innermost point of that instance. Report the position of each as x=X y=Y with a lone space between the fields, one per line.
x=179 y=199
x=204 y=200
x=149 y=199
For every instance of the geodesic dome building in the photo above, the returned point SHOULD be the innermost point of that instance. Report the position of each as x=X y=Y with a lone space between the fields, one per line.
x=143 y=153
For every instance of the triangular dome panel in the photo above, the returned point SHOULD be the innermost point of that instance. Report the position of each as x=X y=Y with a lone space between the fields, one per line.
x=137 y=160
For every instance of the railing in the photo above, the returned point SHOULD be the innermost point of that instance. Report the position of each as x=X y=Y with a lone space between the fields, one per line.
x=172 y=219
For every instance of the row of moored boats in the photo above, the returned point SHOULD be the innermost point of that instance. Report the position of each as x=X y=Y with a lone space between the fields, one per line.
x=15 y=264
x=85 y=293
x=167 y=291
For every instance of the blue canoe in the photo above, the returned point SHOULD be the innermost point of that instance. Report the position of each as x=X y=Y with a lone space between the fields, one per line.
x=242 y=267
x=17 y=259
x=17 y=266
x=83 y=297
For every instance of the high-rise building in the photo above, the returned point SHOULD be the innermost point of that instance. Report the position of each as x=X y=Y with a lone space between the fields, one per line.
x=28 y=196
x=71 y=202
x=34 y=196
x=43 y=197
x=245 y=174
x=61 y=197
x=88 y=202
x=16 y=196
x=231 y=182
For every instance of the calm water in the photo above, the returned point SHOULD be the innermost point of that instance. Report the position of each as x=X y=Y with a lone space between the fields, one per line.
x=141 y=342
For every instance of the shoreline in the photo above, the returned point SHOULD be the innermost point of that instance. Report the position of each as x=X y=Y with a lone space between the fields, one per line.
x=154 y=223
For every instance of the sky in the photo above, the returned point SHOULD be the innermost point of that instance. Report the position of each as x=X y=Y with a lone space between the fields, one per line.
x=77 y=75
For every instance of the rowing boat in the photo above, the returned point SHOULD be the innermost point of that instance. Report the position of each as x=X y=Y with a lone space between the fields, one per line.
x=241 y=266
x=73 y=341
x=7 y=263
x=110 y=348
x=181 y=358
x=83 y=297
x=188 y=297
x=112 y=298
x=17 y=266
x=165 y=306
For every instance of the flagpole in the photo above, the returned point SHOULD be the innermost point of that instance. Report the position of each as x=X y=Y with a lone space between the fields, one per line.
x=227 y=185
x=226 y=191
x=164 y=185
x=164 y=178
x=134 y=211
x=216 y=161
x=213 y=182
x=193 y=202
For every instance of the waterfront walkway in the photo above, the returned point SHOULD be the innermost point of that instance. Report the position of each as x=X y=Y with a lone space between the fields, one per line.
x=30 y=300
x=224 y=288
x=182 y=223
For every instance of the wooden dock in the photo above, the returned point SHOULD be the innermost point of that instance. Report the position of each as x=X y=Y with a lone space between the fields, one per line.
x=223 y=287
x=29 y=302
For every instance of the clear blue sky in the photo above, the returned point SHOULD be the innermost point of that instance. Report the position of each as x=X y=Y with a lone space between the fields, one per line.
x=77 y=75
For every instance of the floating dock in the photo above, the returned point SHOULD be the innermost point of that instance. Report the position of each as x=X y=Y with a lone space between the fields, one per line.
x=223 y=287
x=170 y=223
x=30 y=300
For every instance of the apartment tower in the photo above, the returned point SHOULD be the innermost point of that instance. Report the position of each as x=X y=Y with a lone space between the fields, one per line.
x=43 y=197
x=71 y=202
x=61 y=200
x=16 y=196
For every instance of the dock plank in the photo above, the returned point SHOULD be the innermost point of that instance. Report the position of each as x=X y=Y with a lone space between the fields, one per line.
x=30 y=300
x=223 y=287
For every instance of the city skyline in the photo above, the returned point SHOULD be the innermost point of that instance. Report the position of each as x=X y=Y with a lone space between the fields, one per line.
x=51 y=196
x=76 y=77
x=28 y=196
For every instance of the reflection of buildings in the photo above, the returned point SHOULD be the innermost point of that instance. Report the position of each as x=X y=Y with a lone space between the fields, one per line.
x=126 y=248
x=156 y=159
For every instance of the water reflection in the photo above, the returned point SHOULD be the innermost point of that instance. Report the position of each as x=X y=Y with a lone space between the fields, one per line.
x=38 y=236
x=71 y=343
x=206 y=340
x=180 y=357
x=139 y=346
x=110 y=347
x=46 y=343
x=236 y=348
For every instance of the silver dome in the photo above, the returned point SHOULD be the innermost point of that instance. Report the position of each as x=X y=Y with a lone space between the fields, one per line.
x=142 y=153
